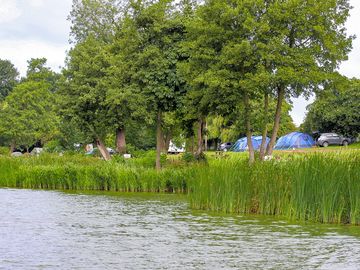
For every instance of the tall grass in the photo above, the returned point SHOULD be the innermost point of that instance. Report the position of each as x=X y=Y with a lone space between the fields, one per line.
x=86 y=173
x=315 y=187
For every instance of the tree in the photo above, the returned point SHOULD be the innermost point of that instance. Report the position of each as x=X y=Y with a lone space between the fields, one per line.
x=302 y=44
x=28 y=114
x=152 y=32
x=8 y=78
x=84 y=91
x=37 y=71
x=336 y=109
x=222 y=60
x=98 y=18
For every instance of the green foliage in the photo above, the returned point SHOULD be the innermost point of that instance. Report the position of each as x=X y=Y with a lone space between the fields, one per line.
x=53 y=146
x=231 y=127
x=336 y=109
x=83 y=91
x=38 y=72
x=8 y=78
x=28 y=114
x=148 y=50
x=94 y=17
x=188 y=157
x=4 y=151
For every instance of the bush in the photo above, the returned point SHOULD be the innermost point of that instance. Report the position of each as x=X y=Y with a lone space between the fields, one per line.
x=4 y=151
x=188 y=157
x=53 y=146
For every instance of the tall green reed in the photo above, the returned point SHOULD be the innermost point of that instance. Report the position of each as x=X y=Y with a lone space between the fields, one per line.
x=314 y=187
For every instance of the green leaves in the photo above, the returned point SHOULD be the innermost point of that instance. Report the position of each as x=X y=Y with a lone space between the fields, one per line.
x=336 y=109
x=8 y=78
x=28 y=114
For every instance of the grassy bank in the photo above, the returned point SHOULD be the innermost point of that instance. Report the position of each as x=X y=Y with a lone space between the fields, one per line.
x=315 y=187
x=320 y=187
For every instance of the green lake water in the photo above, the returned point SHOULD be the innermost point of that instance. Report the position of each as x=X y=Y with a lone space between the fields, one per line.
x=58 y=230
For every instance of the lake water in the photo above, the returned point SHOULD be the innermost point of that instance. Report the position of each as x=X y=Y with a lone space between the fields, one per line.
x=57 y=230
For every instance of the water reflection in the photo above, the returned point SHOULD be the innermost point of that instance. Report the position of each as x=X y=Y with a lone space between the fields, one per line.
x=55 y=230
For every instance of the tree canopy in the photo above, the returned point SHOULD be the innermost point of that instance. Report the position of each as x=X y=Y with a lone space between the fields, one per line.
x=8 y=78
x=336 y=109
x=28 y=114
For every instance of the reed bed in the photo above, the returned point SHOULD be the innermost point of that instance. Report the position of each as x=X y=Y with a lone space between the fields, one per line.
x=81 y=173
x=314 y=187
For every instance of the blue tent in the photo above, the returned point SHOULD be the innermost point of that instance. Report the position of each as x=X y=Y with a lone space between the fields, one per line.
x=294 y=140
x=241 y=144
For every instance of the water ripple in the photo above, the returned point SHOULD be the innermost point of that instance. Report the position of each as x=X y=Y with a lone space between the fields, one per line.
x=55 y=230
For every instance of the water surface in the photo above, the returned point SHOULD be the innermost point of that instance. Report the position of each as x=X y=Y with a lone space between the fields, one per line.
x=56 y=230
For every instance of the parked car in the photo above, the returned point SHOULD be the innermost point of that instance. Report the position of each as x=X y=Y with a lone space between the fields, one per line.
x=225 y=146
x=327 y=139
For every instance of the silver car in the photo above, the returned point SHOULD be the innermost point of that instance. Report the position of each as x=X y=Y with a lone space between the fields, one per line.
x=327 y=139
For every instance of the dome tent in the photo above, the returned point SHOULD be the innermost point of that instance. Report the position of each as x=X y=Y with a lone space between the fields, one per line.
x=294 y=140
x=241 y=144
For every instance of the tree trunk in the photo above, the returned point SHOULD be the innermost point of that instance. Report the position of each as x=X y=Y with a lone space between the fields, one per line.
x=200 y=131
x=12 y=147
x=193 y=144
x=280 y=99
x=102 y=148
x=166 y=142
x=120 y=141
x=248 y=130
x=206 y=138
x=159 y=140
x=264 y=132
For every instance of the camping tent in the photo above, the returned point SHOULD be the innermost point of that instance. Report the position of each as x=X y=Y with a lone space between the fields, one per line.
x=294 y=140
x=241 y=144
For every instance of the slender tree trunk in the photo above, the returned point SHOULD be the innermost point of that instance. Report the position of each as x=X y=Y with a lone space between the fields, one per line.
x=264 y=132
x=120 y=141
x=102 y=148
x=193 y=144
x=206 y=138
x=200 y=131
x=248 y=130
x=166 y=142
x=280 y=99
x=12 y=147
x=159 y=140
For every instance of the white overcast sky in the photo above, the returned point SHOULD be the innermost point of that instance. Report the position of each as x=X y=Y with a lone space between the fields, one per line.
x=38 y=28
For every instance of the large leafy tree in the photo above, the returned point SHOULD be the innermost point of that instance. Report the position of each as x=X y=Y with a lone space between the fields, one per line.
x=245 y=49
x=221 y=60
x=28 y=114
x=8 y=78
x=336 y=109
x=84 y=91
x=122 y=102
x=302 y=44
x=151 y=33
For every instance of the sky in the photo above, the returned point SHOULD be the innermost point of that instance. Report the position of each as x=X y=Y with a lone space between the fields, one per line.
x=39 y=28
